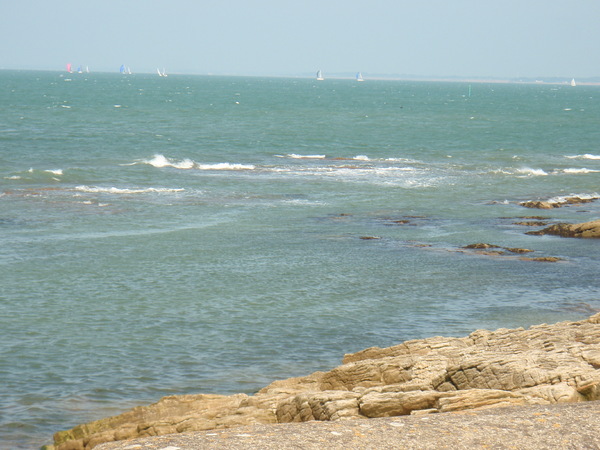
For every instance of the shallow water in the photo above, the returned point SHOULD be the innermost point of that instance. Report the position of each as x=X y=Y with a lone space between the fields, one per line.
x=205 y=234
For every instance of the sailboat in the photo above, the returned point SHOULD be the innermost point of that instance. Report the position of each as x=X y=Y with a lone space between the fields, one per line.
x=573 y=82
x=79 y=70
x=320 y=76
x=161 y=74
x=122 y=69
x=69 y=68
x=359 y=77
x=125 y=70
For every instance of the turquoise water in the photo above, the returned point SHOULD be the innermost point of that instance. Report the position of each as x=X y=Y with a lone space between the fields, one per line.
x=196 y=234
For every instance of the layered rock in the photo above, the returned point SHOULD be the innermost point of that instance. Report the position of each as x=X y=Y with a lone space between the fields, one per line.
x=578 y=230
x=541 y=365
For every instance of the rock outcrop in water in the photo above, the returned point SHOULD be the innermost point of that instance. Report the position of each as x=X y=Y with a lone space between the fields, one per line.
x=550 y=204
x=541 y=365
x=578 y=230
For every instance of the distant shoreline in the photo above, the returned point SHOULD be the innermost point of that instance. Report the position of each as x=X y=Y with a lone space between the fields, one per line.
x=552 y=81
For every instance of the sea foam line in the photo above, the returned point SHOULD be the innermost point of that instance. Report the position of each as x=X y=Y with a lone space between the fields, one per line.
x=579 y=171
x=586 y=156
x=160 y=161
x=114 y=190
x=296 y=156
x=564 y=199
x=532 y=172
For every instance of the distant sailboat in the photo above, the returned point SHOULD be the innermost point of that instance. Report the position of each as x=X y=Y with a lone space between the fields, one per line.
x=69 y=68
x=122 y=69
x=79 y=70
x=161 y=74
x=359 y=77
x=125 y=70
x=320 y=76
x=573 y=82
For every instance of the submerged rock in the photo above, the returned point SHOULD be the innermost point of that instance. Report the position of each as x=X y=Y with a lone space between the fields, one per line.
x=542 y=259
x=541 y=365
x=481 y=246
x=531 y=223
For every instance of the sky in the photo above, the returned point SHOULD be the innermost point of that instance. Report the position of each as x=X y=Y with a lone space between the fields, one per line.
x=428 y=38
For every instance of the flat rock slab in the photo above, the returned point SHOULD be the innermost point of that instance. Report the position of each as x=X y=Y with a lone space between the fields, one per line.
x=558 y=426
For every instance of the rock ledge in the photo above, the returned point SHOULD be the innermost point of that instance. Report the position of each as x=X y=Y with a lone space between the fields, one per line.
x=542 y=365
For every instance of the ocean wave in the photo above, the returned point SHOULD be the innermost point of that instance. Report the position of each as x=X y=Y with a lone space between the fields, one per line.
x=160 y=161
x=578 y=171
x=36 y=175
x=225 y=166
x=296 y=156
x=527 y=171
x=586 y=156
x=115 y=190
x=565 y=198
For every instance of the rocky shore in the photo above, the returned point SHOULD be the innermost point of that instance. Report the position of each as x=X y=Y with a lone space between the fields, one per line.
x=543 y=365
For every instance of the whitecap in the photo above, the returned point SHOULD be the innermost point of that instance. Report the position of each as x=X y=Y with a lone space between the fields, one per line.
x=532 y=172
x=115 y=190
x=564 y=199
x=361 y=158
x=586 y=156
x=160 y=161
x=296 y=156
x=578 y=171
x=225 y=166
x=55 y=172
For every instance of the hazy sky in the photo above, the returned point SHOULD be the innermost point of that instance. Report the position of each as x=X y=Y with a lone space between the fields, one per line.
x=509 y=38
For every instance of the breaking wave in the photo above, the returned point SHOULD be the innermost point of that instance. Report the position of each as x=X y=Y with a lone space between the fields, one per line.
x=579 y=171
x=160 y=161
x=115 y=190
x=586 y=156
x=527 y=171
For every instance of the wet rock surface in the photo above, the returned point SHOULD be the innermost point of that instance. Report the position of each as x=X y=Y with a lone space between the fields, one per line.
x=577 y=230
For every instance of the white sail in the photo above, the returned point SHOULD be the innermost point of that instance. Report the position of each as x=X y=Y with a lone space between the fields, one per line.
x=320 y=76
x=573 y=82
x=359 y=77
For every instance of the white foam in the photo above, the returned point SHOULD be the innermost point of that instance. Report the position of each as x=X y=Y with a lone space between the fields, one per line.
x=586 y=156
x=532 y=172
x=115 y=190
x=55 y=172
x=295 y=156
x=563 y=199
x=225 y=166
x=578 y=171
x=403 y=160
x=160 y=161
x=361 y=158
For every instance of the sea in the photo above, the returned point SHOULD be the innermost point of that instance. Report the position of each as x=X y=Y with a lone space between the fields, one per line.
x=206 y=234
